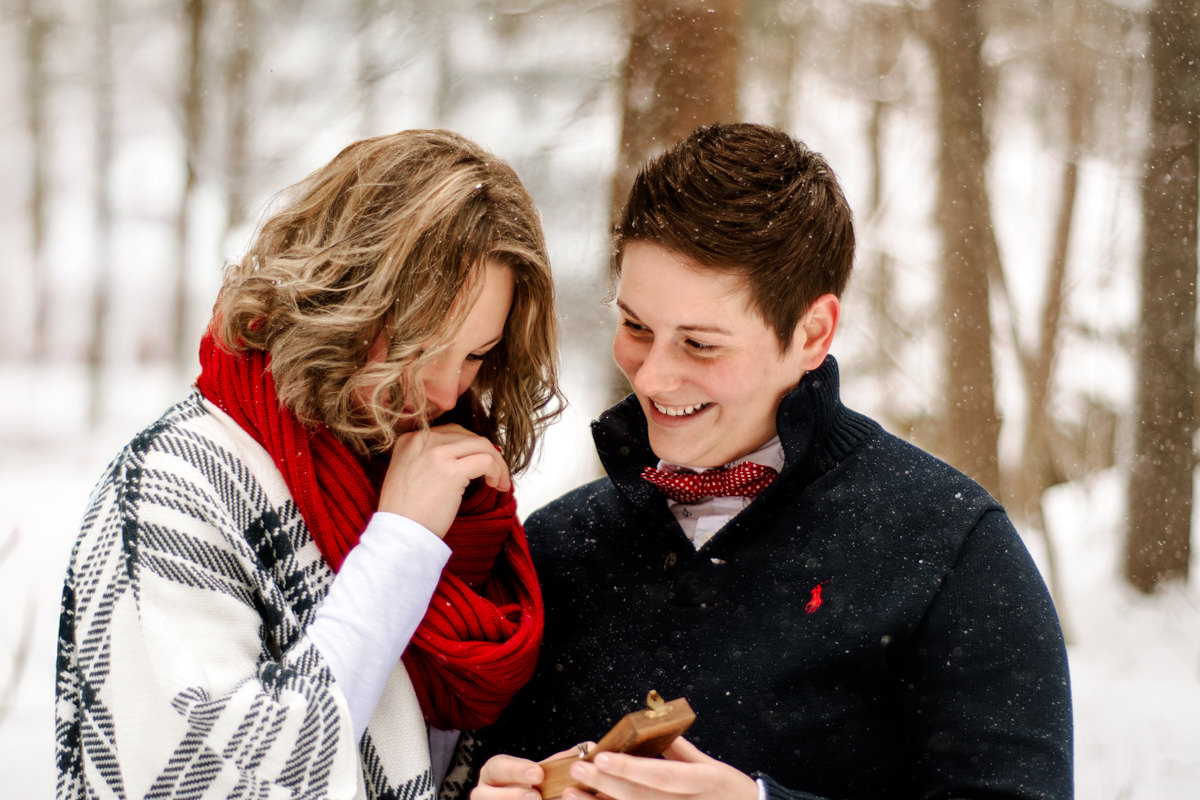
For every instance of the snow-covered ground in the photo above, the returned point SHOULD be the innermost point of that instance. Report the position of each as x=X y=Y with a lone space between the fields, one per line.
x=1135 y=660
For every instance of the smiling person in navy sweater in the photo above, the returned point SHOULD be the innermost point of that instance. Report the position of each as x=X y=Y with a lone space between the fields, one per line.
x=865 y=623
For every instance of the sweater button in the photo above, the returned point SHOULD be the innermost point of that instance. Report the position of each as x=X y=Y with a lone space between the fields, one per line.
x=670 y=561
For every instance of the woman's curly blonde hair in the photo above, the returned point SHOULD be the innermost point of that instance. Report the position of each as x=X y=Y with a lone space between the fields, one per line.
x=389 y=239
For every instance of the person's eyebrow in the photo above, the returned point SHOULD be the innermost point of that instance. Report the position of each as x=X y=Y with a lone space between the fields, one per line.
x=694 y=328
x=619 y=303
x=488 y=345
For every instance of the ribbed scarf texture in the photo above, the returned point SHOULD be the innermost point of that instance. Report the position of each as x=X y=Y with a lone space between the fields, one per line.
x=479 y=640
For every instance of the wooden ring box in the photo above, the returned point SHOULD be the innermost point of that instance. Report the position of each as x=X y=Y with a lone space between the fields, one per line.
x=640 y=733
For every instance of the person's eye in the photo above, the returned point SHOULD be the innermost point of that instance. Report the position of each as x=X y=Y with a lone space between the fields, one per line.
x=476 y=358
x=632 y=326
x=699 y=347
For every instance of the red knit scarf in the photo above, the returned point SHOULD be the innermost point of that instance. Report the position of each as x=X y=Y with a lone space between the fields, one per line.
x=479 y=639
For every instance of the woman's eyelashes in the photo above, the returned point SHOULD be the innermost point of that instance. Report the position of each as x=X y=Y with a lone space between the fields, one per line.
x=634 y=327
x=477 y=358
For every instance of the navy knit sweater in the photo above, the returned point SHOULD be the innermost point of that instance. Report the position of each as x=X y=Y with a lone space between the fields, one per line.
x=870 y=627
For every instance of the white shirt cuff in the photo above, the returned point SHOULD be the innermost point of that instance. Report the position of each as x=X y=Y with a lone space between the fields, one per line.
x=374 y=606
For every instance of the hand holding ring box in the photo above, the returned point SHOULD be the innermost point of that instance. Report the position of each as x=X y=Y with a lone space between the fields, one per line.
x=640 y=733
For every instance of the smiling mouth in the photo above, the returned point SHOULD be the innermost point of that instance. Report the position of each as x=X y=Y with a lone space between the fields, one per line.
x=679 y=411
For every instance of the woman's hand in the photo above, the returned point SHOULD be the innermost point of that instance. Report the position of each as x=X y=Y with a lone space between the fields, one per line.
x=430 y=470
x=512 y=778
x=682 y=772
x=508 y=778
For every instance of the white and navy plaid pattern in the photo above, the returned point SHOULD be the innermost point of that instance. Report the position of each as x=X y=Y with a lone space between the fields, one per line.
x=183 y=666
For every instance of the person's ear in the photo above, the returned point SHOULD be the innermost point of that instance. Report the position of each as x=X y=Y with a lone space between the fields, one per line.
x=814 y=334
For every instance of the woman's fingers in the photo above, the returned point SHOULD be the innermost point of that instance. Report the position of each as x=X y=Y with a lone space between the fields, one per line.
x=508 y=778
x=687 y=774
x=430 y=469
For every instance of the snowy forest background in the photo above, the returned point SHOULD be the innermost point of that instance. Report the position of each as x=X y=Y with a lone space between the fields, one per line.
x=1024 y=181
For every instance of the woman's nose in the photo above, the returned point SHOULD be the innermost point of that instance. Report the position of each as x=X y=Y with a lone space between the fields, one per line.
x=440 y=383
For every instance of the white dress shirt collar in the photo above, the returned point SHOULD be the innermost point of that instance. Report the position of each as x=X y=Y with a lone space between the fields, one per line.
x=701 y=520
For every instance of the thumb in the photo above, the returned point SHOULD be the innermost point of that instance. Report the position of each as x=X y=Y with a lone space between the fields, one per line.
x=683 y=750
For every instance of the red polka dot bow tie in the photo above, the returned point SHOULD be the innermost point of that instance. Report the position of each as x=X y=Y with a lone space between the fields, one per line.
x=745 y=480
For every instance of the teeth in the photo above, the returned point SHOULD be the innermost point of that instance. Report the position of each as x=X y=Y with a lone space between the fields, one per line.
x=683 y=411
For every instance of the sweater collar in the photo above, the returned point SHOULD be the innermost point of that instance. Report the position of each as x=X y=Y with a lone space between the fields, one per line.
x=815 y=428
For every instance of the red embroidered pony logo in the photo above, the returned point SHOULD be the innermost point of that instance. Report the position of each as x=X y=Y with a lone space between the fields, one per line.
x=815 y=600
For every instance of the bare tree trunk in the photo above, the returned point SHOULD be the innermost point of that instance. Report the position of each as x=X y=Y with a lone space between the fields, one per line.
x=193 y=114
x=237 y=88
x=882 y=32
x=439 y=27
x=102 y=211
x=37 y=29
x=1157 y=545
x=368 y=65
x=972 y=427
x=775 y=29
x=681 y=73
x=877 y=275
x=1038 y=469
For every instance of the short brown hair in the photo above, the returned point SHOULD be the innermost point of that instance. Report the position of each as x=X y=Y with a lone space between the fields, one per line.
x=389 y=238
x=751 y=200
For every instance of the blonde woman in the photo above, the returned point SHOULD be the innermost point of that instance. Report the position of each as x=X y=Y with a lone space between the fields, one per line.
x=304 y=579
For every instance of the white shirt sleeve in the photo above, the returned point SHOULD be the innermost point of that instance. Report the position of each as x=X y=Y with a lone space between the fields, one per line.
x=374 y=606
